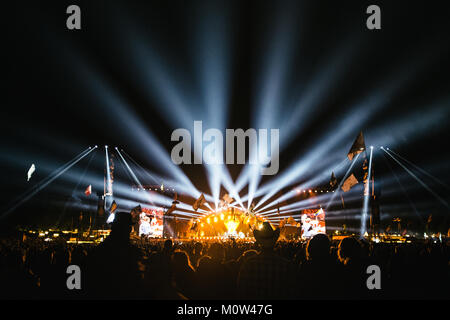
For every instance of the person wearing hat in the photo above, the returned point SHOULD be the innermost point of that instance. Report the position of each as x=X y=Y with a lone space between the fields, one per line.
x=266 y=275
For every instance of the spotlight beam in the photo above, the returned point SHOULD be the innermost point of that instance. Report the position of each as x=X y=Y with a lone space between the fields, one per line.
x=157 y=181
x=359 y=115
x=365 y=210
x=420 y=169
x=342 y=181
x=309 y=183
x=401 y=187
x=136 y=180
x=75 y=188
x=47 y=182
x=189 y=189
x=108 y=173
x=43 y=181
x=417 y=179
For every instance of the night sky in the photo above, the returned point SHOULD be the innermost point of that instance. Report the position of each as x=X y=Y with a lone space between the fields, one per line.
x=62 y=86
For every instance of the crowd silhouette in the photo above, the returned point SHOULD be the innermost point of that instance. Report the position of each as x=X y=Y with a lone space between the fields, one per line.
x=268 y=268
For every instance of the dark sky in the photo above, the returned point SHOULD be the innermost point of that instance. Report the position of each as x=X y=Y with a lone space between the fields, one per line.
x=50 y=113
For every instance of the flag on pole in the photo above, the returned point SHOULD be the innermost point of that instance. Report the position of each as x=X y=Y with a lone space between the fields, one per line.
x=113 y=207
x=199 y=202
x=349 y=183
x=88 y=190
x=136 y=211
x=357 y=147
x=227 y=198
x=292 y=221
x=250 y=210
x=31 y=171
x=333 y=180
x=172 y=208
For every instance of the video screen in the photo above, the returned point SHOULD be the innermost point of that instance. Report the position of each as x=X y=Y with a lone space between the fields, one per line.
x=313 y=222
x=151 y=223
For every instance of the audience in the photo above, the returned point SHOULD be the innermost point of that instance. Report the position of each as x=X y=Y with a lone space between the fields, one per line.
x=266 y=269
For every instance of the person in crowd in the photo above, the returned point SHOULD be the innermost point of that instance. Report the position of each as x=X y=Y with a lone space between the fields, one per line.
x=355 y=263
x=121 y=267
x=266 y=275
x=197 y=253
x=158 y=279
x=320 y=275
x=184 y=275
x=113 y=268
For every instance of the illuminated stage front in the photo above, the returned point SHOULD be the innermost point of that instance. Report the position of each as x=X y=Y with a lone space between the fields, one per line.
x=226 y=223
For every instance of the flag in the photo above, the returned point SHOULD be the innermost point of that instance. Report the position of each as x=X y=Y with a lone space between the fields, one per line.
x=349 y=183
x=333 y=180
x=88 y=190
x=111 y=218
x=172 y=208
x=136 y=211
x=31 y=171
x=227 y=198
x=292 y=221
x=199 y=202
x=357 y=147
x=113 y=207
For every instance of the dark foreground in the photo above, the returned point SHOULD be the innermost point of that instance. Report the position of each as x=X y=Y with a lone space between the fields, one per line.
x=319 y=269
